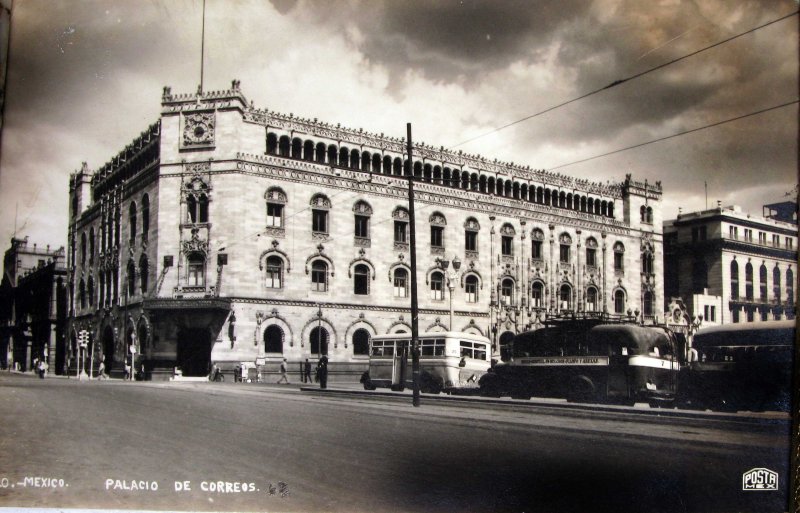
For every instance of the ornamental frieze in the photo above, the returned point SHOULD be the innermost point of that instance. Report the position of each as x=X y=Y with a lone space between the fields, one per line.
x=195 y=244
x=198 y=129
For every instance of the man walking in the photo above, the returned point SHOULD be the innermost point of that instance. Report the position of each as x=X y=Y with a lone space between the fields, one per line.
x=307 y=372
x=284 y=378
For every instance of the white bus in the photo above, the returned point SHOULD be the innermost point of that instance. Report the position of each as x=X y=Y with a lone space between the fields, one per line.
x=448 y=361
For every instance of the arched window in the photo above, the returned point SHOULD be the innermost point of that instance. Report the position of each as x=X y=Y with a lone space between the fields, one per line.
x=471 y=228
x=144 y=270
x=319 y=154
x=437 y=286
x=91 y=291
x=400 y=282
x=276 y=201
x=344 y=157
x=437 y=223
x=790 y=286
x=591 y=252
x=505 y=345
x=471 y=288
x=565 y=242
x=91 y=246
x=648 y=303
x=273 y=339
x=619 y=302
x=401 y=221
x=272 y=144
x=362 y=213
x=318 y=341
x=284 y=146
x=319 y=276
x=591 y=299
x=132 y=222
x=145 y=216
x=82 y=293
x=202 y=205
x=83 y=248
x=196 y=270
x=647 y=262
x=537 y=243
x=776 y=284
x=131 y=278
x=274 y=272
x=361 y=342
x=361 y=280
x=748 y=281
x=734 y=280
x=565 y=297
x=507 y=291
x=537 y=294
x=308 y=151
x=762 y=283
x=507 y=234
x=619 y=257
x=297 y=148
x=320 y=205
x=191 y=209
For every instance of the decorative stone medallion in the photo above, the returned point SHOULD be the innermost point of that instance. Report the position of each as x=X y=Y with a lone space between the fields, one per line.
x=198 y=129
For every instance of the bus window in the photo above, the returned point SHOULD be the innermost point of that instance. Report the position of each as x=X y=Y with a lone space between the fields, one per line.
x=383 y=348
x=432 y=347
x=474 y=350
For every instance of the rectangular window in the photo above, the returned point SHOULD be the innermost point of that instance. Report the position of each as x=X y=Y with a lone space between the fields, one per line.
x=437 y=289
x=362 y=227
x=273 y=276
x=536 y=250
x=400 y=285
x=474 y=350
x=591 y=257
x=748 y=235
x=437 y=236
x=762 y=238
x=471 y=288
x=432 y=347
x=713 y=314
x=789 y=243
x=471 y=241
x=707 y=312
x=618 y=261
x=274 y=215
x=734 y=232
x=400 y=230
x=196 y=278
x=564 y=254
x=319 y=221
x=776 y=240
x=507 y=246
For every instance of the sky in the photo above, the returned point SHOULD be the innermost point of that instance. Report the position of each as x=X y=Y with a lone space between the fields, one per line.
x=85 y=78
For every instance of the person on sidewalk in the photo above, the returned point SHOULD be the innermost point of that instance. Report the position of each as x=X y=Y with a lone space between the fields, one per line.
x=307 y=372
x=322 y=371
x=284 y=377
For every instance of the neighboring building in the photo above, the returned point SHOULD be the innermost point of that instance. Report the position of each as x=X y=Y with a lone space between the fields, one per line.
x=33 y=302
x=230 y=234
x=729 y=266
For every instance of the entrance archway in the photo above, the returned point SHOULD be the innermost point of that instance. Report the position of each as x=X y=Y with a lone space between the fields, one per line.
x=108 y=349
x=194 y=351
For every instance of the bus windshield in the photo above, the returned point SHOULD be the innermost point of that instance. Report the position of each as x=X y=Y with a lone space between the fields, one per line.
x=602 y=340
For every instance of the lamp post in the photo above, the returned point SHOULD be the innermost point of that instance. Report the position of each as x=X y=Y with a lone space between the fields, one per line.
x=451 y=281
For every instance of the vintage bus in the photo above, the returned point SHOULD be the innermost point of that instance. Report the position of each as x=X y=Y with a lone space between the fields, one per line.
x=587 y=360
x=739 y=367
x=449 y=361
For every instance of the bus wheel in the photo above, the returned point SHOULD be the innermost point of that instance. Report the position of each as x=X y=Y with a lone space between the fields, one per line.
x=581 y=390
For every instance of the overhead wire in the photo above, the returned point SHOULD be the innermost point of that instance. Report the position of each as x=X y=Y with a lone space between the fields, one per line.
x=737 y=118
x=624 y=80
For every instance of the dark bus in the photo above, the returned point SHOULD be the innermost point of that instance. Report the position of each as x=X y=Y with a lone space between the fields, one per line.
x=585 y=361
x=740 y=367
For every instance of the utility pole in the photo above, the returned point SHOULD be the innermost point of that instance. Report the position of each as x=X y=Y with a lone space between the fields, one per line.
x=414 y=314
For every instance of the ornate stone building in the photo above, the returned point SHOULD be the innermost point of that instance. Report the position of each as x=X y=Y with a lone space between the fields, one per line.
x=226 y=233
x=731 y=266
x=33 y=306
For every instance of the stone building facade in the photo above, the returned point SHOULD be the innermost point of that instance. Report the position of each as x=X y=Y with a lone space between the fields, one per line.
x=731 y=266
x=226 y=233
x=33 y=306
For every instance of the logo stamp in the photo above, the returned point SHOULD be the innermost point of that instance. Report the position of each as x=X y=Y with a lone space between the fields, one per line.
x=759 y=479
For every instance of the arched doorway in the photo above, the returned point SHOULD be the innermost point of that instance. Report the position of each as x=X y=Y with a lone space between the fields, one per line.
x=194 y=352
x=318 y=341
x=505 y=345
x=108 y=349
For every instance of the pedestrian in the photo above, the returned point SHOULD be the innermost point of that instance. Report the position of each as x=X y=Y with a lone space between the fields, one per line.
x=307 y=372
x=42 y=368
x=101 y=370
x=284 y=377
x=322 y=371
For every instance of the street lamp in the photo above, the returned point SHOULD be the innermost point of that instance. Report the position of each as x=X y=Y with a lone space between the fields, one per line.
x=451 y=281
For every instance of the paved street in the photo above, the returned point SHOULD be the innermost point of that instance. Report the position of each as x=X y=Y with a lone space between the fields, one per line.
x=240 y=447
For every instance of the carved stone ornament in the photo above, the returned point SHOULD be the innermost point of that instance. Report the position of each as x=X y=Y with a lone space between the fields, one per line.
x=472 y=224
x=591 y=243
x=537 y=234
x=507 y=230
x=195 y=244
x=400 y=214
x=320 y=201
x=362 y=208
x=198 y=129
x=275 y=195
x=564 y=238
x=437 y=219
